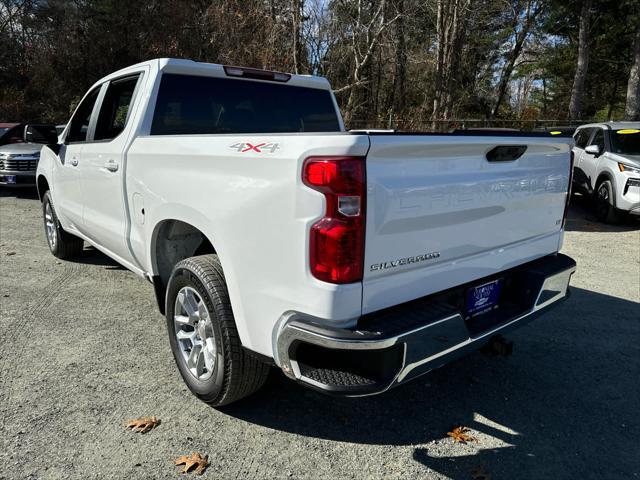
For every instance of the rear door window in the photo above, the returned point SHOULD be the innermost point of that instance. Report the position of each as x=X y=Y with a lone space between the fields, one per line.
x=114 y=111
x=202 y=105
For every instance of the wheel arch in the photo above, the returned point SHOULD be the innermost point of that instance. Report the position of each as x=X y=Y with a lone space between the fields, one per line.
x=176 y=237
x=607 y=175
x=42 y=184
x=174 y=240
x=602 y=176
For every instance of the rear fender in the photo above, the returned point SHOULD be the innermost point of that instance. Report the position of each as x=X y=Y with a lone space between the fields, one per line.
x=196 y=219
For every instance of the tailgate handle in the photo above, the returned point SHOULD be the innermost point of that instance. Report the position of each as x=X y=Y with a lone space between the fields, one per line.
x=506 y=153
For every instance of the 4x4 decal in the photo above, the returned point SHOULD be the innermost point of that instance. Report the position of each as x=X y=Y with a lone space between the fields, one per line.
x=259 y=148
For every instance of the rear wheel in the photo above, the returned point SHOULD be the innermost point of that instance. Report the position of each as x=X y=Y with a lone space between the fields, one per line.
x=61 y=243
x=606 y=203
x=203 y=334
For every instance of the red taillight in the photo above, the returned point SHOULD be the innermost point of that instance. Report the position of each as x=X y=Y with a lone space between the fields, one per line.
x=566 y=205
x=336 y=244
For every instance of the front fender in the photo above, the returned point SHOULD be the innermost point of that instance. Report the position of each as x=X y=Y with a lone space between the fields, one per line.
x=45 y=168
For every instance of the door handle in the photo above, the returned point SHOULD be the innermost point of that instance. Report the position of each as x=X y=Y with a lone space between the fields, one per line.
x=111 y=165
x=74 y=162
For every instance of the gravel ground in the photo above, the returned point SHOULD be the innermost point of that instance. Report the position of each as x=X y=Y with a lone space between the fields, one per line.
x=83 y=348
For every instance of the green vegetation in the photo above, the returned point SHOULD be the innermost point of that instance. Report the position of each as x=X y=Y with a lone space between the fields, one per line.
x=393 y=63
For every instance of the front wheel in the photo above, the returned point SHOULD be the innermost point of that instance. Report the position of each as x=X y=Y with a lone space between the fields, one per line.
x=62 y=244
x=606 y=203
x=203 y=334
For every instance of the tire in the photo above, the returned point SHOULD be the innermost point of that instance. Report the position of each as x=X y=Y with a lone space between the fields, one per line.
x=605 y=201
x=62 y=244
x=209 y=353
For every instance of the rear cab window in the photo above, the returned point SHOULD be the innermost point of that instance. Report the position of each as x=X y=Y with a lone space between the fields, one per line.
x=189 y=104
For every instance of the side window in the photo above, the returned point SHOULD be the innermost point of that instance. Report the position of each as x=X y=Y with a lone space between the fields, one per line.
x=115 y=108
x=582 y=137
x=598 y=139
x=80 y=121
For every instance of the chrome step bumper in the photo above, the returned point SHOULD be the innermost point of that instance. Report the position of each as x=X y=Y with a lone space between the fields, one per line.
x=393 y=346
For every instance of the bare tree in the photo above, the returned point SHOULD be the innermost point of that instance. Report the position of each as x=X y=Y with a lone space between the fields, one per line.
x=317 y=36
x=523 y=17
x=365 y=28
x=450 y=31
x=575 y=104
x=632 y=106
x=297 y=43
x=397 y=93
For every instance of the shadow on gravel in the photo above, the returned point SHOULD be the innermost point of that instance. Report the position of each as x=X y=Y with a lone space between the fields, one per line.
x=564 y=405
x=582 y=218
x=93 y=256
x=90 y=255
x=30 y=193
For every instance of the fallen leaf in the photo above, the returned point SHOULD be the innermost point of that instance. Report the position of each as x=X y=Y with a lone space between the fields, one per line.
x=196 y=463
x=459 y=434
x=480 y=473
x=142 y=424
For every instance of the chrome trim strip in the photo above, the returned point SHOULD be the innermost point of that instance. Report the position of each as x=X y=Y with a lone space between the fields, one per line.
x=557 y=284
x=29 y=173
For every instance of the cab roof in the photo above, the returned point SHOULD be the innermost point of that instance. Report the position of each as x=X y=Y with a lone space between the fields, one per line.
x=190 y=67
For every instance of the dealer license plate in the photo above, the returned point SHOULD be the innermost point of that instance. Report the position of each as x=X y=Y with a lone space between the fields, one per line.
x=483 y=298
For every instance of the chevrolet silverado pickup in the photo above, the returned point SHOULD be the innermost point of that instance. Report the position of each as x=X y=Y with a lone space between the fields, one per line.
x=352 y=261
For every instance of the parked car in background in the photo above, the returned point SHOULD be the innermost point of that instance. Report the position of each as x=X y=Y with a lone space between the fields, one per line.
x=4 y=127
x=354 y=261
x=607 y=166
x=18 y=159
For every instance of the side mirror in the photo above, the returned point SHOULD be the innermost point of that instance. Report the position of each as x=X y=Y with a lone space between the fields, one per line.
x=593 y=149
x=37 y=133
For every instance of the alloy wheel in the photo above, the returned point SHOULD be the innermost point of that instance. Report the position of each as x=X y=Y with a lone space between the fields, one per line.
x=50 y=224
x=194 y=332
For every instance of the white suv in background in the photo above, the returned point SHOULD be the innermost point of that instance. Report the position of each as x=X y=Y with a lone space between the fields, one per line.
x=607 y=166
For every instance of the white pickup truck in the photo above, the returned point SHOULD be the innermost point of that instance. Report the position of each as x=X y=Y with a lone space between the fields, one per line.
x=354 y=261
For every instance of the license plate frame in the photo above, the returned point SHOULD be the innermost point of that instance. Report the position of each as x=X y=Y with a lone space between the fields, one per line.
x=10 y=179
x=483 y=298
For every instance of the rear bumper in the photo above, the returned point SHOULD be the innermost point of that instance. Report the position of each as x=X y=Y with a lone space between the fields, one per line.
x=395 y=345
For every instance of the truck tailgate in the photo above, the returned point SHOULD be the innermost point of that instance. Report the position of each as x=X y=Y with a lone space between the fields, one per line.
x=440 y=214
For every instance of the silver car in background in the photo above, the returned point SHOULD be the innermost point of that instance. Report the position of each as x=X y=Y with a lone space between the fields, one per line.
x=18 y=159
